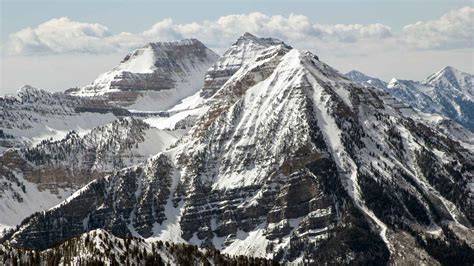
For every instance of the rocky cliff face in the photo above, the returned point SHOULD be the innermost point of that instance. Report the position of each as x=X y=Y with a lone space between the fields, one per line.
x=155 y=77
x=292 y=161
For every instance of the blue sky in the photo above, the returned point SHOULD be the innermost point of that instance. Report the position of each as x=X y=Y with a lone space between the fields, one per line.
x=139 y=15
x=373 y=37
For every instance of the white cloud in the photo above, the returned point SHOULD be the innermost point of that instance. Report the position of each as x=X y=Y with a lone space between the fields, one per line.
x=59 y=35
x=453 y=30
x=65 y=36
x=355 y=32
x=294 y=29
x=62 y=35
x=414 y=52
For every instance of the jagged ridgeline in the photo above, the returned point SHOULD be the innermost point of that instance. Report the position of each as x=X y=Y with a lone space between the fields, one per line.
x=448 y=92
x=284 y=158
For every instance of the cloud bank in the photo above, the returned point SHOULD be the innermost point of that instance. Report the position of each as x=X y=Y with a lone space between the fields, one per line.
x=453 y=30
x=63 y=36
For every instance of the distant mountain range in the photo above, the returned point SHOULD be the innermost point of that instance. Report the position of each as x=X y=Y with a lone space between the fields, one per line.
x=448 y=92
x=264 y=152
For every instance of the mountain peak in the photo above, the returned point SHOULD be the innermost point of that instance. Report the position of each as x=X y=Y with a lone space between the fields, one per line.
x=248 y=35
x=450 y=71
x=146 y=74
x=366 y=80
x=357 y=75
x=449 y=68
x=361 y=77
x=393 y=82
x=246 y=38
x=171 y=44
x=356 y=72
x=28 y=90
x=245 y=49
x=263 y=41
x=155 y=48
x=452 y=77
x=447 y=71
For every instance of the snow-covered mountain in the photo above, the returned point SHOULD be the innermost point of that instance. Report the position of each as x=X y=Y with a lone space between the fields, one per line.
x=448 y=92
x=41 y=176
x=366 y=80
x=243 y=50
x=452 y=81
x=32 y=115
x=155 y=77
x=290 y=160
x=64 y=140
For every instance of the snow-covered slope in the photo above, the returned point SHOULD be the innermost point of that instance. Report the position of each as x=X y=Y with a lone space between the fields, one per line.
x=112 y=146
x=291 y=161
x=414 y=94
x=243 y=50
x=32 y=115
x=37 y=178
x=450 y=79
x=63 y=140
x=448 y=92
x=155 y=77
x=20 y=198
